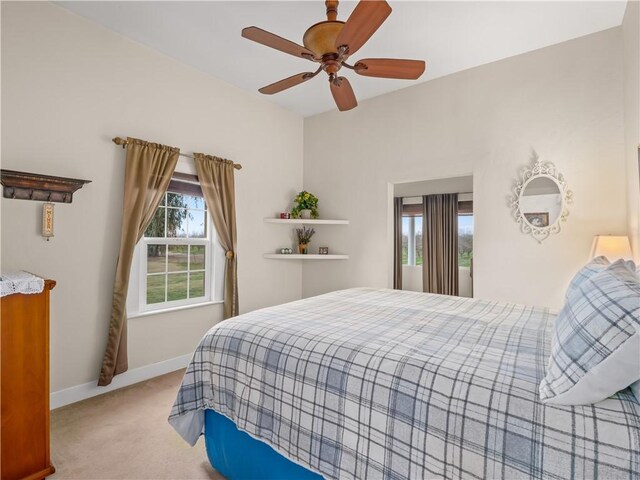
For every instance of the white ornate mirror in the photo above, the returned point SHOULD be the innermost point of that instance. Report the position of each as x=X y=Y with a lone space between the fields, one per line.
x=540 y=201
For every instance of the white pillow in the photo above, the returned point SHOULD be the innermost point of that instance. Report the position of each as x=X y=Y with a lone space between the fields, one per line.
x=596 y=342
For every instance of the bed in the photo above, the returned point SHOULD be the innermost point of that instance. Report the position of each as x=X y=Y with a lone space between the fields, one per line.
x=376 y=383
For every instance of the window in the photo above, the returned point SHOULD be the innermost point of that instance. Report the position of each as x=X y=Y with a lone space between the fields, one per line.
x=412 y=233
x=412 y=239
x=175 y=261
x=465 y=239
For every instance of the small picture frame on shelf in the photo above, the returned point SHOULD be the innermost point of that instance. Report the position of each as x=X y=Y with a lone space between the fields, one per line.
x=323 y=250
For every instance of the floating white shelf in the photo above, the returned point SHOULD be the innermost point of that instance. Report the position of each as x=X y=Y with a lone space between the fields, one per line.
x=309 y=256
x=304 y=221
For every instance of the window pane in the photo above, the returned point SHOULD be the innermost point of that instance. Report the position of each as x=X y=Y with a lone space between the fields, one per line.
x=176 y=200
x=197 y=228
x=156 y=227
x=465 y=240
x=197 y=257
x=177 y=258
x=412 y=240
x=176 y=215
x=156 y=261
x=176 y=222
x=194 y=202
x=196 y=284
x=418 y=243
x=405 y=240
x=176 y=286
x=155 y=289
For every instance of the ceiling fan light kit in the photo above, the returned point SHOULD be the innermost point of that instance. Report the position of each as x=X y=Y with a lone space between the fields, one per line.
x=330 y=43
x=321 y=37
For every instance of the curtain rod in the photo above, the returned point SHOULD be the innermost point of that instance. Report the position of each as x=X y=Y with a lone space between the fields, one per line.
x=420 y=196
x=123 y=142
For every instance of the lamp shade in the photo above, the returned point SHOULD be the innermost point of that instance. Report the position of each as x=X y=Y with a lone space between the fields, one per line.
x=611 y=246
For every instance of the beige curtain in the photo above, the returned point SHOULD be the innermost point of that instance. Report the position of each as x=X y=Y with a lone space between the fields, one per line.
x=397 y=243
x=216 y=179
x=148 y=170
x=440 y=243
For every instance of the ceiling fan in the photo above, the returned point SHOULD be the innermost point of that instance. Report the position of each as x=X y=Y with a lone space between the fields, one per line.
x=331 y=42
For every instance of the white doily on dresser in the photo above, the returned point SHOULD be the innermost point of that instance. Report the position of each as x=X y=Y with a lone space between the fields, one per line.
x=20 y=282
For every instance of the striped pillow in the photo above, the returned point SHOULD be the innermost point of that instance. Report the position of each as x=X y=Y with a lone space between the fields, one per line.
x=635 y=388
x=596 y=265
x=596 y=340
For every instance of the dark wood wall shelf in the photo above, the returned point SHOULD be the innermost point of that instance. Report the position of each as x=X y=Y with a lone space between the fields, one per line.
x=42 y=188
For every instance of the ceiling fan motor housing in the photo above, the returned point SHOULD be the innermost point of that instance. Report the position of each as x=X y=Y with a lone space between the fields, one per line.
x=321 y=37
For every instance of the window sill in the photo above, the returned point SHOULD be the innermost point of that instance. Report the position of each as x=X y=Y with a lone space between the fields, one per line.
x=172 y=309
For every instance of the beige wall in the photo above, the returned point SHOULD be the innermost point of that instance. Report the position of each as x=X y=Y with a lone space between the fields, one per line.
x=68 y=86
x=564 y=101
x=631 y=35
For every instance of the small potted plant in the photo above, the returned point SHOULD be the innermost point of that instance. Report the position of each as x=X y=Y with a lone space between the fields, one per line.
x=304 y=237
x=306 y=205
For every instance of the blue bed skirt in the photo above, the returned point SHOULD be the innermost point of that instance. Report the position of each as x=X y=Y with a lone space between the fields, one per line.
x=238 y=456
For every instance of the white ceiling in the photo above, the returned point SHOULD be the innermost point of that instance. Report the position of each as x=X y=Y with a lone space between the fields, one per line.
x=450 y=35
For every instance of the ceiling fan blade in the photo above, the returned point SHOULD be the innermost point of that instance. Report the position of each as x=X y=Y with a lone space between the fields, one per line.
x=292 y=81
x=343 y=94
x=365 y=19
x=390 y=68
x=274 y=41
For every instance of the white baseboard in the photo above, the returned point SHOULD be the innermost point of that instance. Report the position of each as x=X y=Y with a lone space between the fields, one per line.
x=87 y=390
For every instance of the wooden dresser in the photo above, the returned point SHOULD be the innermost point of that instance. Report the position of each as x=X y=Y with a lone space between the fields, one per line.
x=24 y=389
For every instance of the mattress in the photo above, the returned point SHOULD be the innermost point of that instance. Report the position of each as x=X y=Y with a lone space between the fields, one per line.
x=376 y=383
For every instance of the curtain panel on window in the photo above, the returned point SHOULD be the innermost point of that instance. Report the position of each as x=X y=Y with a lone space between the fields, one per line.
x=397 y=243
x=217 y=183
x=440 y=244
x=148 y=171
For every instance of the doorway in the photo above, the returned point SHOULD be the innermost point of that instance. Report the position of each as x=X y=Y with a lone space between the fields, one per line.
x=412 y=256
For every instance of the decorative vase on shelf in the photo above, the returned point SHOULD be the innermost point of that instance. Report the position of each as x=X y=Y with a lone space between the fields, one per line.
x=306 y=214
x=303 y=248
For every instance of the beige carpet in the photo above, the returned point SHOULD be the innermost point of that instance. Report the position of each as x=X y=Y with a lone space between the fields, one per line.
x=124 y=434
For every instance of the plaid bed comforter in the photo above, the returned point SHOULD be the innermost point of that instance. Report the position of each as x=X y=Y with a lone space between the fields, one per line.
x=368 y=384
